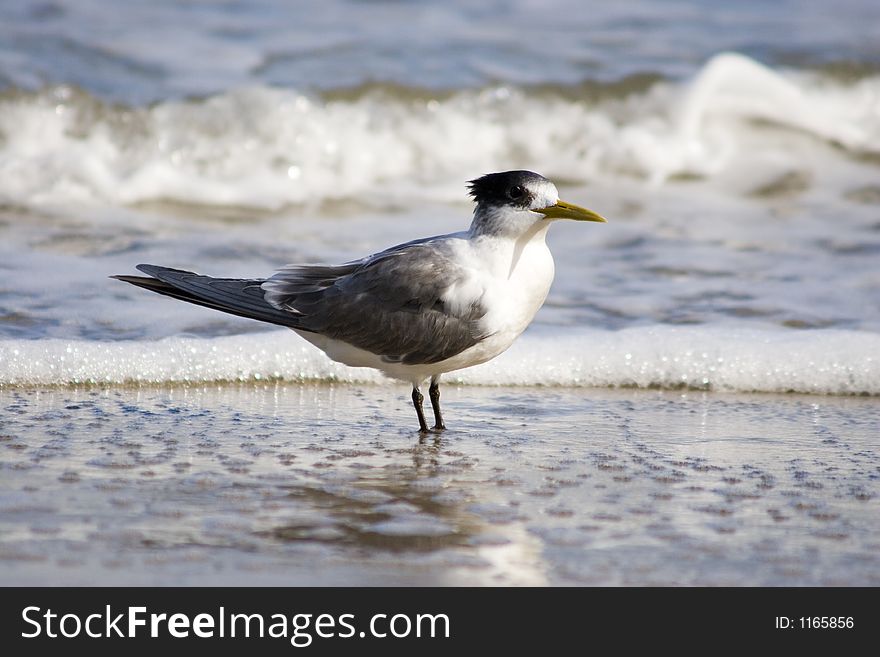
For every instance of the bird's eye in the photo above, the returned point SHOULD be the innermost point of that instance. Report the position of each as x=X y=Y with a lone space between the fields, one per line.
x=516 y=192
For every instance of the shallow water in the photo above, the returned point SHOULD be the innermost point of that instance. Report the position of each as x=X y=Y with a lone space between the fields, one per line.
x=292 y=485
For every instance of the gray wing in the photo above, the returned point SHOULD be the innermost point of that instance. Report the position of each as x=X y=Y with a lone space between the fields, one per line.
x=236 y=296
x=394 y=303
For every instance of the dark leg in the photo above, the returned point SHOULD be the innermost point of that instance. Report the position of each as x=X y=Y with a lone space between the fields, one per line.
x=418 y=398
x=434 y=394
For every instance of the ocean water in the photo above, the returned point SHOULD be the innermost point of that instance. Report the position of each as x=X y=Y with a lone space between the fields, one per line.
x=741 y=189
x=734 y=150
x=313 y=485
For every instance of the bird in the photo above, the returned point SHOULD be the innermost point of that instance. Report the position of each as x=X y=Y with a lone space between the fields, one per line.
x=417 y=310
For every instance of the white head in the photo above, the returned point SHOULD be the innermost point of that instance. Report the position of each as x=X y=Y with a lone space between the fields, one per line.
x=512 y=202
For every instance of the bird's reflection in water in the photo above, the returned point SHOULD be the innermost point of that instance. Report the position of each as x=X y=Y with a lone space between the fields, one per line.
x=398 y=509
x=426 y=453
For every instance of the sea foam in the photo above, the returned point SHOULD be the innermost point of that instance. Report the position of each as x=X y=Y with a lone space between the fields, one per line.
x=704 y=358
x=267 y=147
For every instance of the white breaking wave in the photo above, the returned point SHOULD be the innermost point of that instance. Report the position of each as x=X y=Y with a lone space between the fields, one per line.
x=722 y=359
x=265 y=147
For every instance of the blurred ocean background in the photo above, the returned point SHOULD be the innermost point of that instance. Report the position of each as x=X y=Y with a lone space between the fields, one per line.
x=735 y=151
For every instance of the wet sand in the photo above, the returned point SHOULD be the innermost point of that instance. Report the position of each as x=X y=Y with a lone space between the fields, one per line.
x=329 y=485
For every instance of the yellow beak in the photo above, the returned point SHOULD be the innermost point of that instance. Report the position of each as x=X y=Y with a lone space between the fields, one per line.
x=563 y=210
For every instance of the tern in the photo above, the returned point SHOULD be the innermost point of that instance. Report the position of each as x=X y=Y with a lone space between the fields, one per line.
x=417 y=310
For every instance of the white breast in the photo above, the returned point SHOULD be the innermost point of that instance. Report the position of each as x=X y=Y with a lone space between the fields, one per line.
x=516 y=278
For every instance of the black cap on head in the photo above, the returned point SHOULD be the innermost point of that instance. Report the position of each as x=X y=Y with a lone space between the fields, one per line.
x=504 y=188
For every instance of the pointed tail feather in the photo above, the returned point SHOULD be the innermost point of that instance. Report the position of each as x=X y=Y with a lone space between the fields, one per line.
x=242 y=297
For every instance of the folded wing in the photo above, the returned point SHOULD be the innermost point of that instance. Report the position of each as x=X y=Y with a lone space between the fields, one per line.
x=412 y=304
